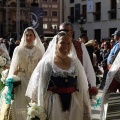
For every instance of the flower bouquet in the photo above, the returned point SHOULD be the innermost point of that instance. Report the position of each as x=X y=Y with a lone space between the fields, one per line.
x=93 y=92
x=4 y=75
x=7 y=91
x=36 y=112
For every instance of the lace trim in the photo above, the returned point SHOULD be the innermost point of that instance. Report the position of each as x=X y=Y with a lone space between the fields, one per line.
x=63 y=73
x=59 y=72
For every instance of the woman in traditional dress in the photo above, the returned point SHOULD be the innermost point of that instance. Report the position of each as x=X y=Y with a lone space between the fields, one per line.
x=111 y=86
x=4 y=53
x=25 y=58
x=59 y=84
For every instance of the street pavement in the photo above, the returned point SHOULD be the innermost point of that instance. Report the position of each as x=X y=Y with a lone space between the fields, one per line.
x=96 y=111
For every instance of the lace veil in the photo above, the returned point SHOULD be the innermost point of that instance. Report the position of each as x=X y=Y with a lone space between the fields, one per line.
x=5 y=51
x=15 y=58
x=110 y=76
x=39 y=79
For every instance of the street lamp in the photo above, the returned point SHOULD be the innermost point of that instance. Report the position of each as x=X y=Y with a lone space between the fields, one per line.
x=81 y=21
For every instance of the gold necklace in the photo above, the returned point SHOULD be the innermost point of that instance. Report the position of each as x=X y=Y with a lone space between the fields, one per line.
x=29 y=47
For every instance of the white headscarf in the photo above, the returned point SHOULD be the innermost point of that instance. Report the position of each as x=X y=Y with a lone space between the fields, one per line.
x=37 y=42
x=5 y=51
x=39 y=80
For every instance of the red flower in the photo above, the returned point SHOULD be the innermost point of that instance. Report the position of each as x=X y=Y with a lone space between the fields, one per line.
x=93 y=91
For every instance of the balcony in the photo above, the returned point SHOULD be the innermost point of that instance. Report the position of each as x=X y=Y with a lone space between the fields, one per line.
x=112 y=14
x=97 y=15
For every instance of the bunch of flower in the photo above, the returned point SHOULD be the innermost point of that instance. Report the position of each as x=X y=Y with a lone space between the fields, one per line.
x=93 y=91
x=7 y=91
x=36 y=112
x=4 y=75
x=3 y=61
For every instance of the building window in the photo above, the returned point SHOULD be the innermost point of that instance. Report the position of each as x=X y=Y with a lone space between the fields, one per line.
x=112 y=11
x=45 y=13
x=85 y=31
x=111 y=31
x=71 y=17
x=97 y=13
x=71 y=1
x=97 y=34
x=54 y=0
x=45 y=26
x=22 y=3
x=84 y=11
x=77 y=12
x=44 y=0
x=54 y=26
x=54 y=13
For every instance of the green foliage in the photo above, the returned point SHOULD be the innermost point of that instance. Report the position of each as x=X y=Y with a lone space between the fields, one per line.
x=1 y=84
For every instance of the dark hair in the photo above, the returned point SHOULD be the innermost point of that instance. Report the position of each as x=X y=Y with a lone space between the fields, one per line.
x=83 y=35
x=61 y=34
x=41 y=36
x=66 y=24
x=108 y=44
x=30 y=30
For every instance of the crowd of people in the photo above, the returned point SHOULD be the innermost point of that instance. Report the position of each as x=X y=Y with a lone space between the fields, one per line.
x=60 y=77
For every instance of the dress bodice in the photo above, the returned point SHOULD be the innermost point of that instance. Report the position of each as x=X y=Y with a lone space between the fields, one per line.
x=63 y=78
x=63 y=83
x=59 y=81
x=28 y=59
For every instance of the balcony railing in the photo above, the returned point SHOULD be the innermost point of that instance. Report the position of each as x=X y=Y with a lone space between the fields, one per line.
x=112 y=14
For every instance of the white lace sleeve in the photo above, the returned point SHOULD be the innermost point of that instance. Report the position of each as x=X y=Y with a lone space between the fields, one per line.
x=14 y=62
x=39 y=80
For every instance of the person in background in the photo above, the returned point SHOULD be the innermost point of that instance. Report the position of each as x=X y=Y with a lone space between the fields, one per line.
x=97 y=49
x=83 y=38
x=102 y=42
x=116 y=46
x=112 y=42
x=90 y=48
x=6 y=43
x=3 y=46
x=82 y=54
x=11 y=47
x=25 y=58
x=43 y=41
x=103 y=58
x=60 y=83
x=112 y=86
x=17 y=42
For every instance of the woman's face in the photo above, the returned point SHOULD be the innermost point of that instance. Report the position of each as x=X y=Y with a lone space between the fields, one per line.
x=63 y=46
x=105 y=45
x=30 y=37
